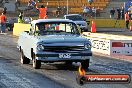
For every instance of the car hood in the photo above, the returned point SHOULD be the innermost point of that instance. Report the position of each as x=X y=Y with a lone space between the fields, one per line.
x=62 y=39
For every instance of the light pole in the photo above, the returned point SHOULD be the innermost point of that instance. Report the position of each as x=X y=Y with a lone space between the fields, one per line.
x=67 y=7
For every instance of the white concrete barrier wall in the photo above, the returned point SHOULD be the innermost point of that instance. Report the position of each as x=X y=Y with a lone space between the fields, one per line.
x=100 y=45
x=123 y=47
x=110 y=44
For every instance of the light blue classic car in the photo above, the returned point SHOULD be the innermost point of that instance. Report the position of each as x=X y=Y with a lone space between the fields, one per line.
x=54 y=40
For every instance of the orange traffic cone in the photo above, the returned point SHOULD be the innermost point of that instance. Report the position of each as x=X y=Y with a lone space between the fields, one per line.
x=131 y=28
x=93 y=27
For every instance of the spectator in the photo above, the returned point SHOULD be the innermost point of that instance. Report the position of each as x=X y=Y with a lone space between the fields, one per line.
x=122 y=12
x=90 y=1
x=58 y=12
x=11 y=24
x=27 y=19
x=42 y=12
x=94 y=12
x=112 y=13
x=130 y=15
x=3 y=22
x=130 y=9
x=127 y=18
x=5 y=10
x=64 y=10
x=20 y=18
x=118 y=13
x=90 y=12
x=17 y=3
x=85 y=11
x=98 y=11
x=31 y=4
x=130 y=12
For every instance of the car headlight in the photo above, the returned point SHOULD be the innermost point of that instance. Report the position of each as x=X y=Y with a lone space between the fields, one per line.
x=40 y=47
x=87 y=46
x=82 y=24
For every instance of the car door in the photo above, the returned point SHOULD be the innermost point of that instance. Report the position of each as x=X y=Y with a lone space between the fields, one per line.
x=25 y=43
x=30 y=41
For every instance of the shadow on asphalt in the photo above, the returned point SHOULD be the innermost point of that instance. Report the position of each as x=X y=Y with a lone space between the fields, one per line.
x=61 y=66
x=65 y=67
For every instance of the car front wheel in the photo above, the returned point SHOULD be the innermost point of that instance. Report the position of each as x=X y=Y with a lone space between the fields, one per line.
x=85 y=64
x=36 y=63
x=24 y=59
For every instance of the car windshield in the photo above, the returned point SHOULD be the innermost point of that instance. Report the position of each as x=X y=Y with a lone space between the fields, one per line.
x=74 y=18
x=57 y=28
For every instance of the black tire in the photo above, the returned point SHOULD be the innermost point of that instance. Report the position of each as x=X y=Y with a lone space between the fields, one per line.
x=81 y=80
x=85 y=64
x=68 y=63
x=24 y=59
x=19 y=49
x=36 y=63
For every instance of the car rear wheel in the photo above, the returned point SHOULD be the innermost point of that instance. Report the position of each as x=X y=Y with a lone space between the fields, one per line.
x=80 y=80
x=24 y=59
x=85 y=64
x=36 y=63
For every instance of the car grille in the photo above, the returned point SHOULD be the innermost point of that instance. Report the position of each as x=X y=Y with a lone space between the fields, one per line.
x=79 y=24
x=64 y=48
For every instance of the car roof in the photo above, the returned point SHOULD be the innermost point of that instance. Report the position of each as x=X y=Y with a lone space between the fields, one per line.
x=72 y=14
x=50 y=20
